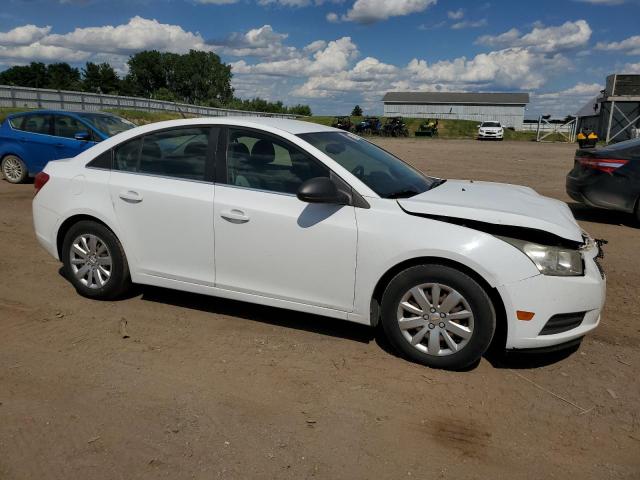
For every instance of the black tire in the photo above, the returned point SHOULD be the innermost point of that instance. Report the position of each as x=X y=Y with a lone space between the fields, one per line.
x=484 y=317
x=119 y=280
x=14 y=170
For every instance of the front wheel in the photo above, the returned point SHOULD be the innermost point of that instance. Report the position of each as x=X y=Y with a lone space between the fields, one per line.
x=94 y=261
x=14 y=169
x=438 y=316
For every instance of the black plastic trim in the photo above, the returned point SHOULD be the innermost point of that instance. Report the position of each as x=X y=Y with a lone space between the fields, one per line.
x=550 y=349
x=562 y=322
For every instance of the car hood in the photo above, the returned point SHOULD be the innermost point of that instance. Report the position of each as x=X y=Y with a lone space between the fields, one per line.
x=498 y=204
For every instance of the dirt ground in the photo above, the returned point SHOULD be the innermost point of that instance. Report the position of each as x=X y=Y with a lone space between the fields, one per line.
x=207 y=388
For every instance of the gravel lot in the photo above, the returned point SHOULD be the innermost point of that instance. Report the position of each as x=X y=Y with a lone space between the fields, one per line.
x=208 y=388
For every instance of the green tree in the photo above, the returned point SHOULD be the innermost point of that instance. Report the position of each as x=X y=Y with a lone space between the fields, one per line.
x=146 y=73
x=357 y=111
x=199 y=78
x=33 y=75
x=300 y=110
x=100 y=78
x=62 y=76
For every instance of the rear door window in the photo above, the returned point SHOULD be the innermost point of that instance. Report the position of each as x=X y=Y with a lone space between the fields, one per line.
x=176 y=153
x=37 y=124
x=127 y=155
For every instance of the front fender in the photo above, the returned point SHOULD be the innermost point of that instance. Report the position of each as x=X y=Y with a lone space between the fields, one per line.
x=406 y=237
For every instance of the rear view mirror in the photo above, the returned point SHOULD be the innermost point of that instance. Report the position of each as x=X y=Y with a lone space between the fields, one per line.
x=82 y=136
x=321 y=190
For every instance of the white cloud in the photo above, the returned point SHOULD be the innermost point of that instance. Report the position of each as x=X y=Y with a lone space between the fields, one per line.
x=371 y=11
x=631 y=46
x=261 y=42
x=455 y=14
x=514 y=68
x=580 y=89
x=543 y=39
x=333 y=17
x=334 y=57
x=631 y=68
x=602 y=2
x=469 y=24
x=139 y=34
x=42 y=53
x=25 y=35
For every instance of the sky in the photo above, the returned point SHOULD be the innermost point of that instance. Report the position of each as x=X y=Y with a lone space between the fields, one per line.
x=334 y=54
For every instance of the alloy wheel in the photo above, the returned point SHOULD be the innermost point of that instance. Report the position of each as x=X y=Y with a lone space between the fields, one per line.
x=12 y=169
x=435 y=319
x=91 y=261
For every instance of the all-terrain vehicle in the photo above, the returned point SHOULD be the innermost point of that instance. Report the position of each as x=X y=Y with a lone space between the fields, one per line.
x=395 y=127
x=428 y=128
x=343 y=123
x=369 y=126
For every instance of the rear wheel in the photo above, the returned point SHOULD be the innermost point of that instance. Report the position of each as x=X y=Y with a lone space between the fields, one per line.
x=14 y=169
x=94 y=261
x=438 y=316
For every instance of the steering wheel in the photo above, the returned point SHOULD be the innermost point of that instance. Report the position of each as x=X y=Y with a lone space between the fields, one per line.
x=358 y=171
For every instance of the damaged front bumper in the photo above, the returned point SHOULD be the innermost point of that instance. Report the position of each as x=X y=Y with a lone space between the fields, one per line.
x=566 y=308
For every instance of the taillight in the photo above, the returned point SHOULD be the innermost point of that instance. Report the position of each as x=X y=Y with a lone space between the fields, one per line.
x=40 y=181
x=606 y=165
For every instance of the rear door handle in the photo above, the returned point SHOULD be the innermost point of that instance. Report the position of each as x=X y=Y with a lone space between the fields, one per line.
x=130 y=196
x=235 y=216
x=59 y=145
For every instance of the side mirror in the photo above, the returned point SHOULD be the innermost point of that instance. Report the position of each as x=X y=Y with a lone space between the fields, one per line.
x=321 y=190
x=82 y=136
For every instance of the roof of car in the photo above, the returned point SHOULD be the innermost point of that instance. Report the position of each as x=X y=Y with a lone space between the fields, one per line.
x=72 y=112
x=294 y=127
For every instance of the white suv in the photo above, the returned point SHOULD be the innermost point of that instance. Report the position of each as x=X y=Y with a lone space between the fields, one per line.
x=492 y=130
x=310 y=218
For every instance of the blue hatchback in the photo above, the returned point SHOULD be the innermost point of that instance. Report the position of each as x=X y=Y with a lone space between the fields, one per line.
x=29 y=140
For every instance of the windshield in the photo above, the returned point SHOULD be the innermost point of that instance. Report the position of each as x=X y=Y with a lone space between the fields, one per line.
x=383 y=173
x=490 y=124
x=107 y=124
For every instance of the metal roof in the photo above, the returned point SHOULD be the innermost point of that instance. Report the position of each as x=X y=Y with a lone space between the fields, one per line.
x=457 y=97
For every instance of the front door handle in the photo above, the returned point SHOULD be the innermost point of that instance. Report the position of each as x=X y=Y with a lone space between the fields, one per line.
x=59 y=145
x=235 y=216
x=130 y=196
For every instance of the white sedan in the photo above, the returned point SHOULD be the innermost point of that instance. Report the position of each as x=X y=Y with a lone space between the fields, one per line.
x=310 y=218
x=490 y=130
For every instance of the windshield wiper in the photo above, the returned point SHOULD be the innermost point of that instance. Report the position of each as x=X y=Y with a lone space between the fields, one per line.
x=404 y=193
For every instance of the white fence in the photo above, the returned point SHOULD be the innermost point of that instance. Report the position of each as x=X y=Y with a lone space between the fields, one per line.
x=24 y=97
x=533 y=127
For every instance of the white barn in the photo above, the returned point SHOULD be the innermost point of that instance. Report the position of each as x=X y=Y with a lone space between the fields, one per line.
x=506 y=108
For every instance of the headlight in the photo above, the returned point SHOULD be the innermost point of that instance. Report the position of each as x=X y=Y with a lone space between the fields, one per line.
x=557 y=261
